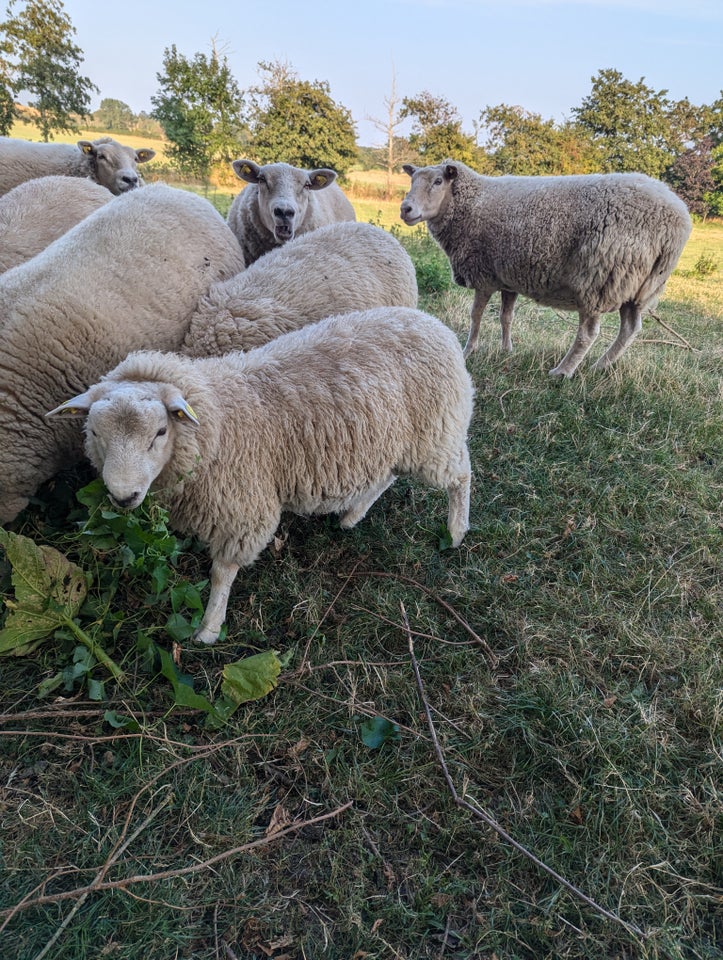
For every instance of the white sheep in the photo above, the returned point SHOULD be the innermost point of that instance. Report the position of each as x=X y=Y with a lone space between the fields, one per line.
x=335 y=269
x=593 y=243
x=36 y=212
x=282 y=201
x=127 y=277
x=317 y=421
x=109 y=163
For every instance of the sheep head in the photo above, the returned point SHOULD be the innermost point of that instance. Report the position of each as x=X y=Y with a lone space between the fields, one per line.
x=429 y=192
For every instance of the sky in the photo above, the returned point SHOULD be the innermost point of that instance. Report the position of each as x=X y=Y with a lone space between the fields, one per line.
x=540 y=55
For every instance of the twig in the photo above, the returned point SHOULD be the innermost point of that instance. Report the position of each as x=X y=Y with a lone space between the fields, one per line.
x=481 y=814
x=180 y=872
x=674 y=332
x=303 y=665
x=491 y=655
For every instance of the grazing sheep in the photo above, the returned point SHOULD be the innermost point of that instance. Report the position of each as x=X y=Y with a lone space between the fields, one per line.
x=128 y=277
x=281 y=202
x=592 y=243
x=109 y=163
x=36 y=212
x=335 y=269
x=317 y=421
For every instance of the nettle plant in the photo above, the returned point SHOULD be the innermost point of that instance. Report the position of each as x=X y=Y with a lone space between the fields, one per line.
x=124 y=572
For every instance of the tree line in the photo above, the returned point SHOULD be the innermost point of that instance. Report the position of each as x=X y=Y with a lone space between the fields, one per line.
x=208 y=120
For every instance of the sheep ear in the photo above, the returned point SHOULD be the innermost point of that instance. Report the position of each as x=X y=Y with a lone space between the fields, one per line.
x=181 y=410
x=450 y=171
x=318 y=179
x=246 y=170
x=144 y=155
x=86 y=146
x=77 y=407
x=409 y=169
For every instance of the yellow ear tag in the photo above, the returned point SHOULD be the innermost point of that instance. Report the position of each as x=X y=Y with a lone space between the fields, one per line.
x=182 y=413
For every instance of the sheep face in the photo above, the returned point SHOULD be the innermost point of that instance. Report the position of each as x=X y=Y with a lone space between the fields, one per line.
x=429 y=193
x=282 y=193
x=129 y=433
x=113 y=165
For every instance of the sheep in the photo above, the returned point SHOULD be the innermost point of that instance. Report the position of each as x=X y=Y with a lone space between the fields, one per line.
x=281 y=202
x=335 y=269
x=109 y=163
x=319 y=420
x=36 y=212
x=127 y=277
x=592 y=243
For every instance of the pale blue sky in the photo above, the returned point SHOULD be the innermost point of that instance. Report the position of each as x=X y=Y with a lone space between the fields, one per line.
x=538 y=54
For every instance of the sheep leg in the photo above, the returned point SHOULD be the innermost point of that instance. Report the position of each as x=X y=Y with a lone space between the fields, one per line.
x=359 y=507
x=507 y=310
x=481 y=299
x=585 y=337
x=458 y=493
x=631 y=323
x=223 y=575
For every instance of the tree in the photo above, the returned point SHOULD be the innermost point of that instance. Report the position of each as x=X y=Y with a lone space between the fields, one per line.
x=522 y=143
x=631 y=124
x=437 y=131
x=395 y=148
x=296 y=121
x=199 y=105
x=39 y=36
x=114 y=115
x=691 y=176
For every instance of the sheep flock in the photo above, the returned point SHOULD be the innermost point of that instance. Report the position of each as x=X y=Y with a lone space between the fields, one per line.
x=277 y=360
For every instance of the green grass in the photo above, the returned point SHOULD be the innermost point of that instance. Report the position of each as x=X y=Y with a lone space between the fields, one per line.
x=591 y=569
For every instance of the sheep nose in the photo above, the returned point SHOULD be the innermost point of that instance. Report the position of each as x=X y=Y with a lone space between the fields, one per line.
x=406 y=207
x=284 y=213
x=129 y=181
x=128 y=501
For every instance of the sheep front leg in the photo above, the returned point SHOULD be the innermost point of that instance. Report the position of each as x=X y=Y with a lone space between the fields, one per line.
x=481 y=299
x=223 y=575
x=458 y=493
x=359 y=507
x=586 y=335
x=507 y=311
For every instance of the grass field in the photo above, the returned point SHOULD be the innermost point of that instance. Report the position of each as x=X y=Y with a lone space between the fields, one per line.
x=550 y=787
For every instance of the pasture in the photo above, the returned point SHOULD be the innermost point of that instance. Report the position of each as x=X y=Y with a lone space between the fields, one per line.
x=509 y=750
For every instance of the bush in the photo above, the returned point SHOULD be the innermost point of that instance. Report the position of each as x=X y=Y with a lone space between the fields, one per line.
x=430 y=262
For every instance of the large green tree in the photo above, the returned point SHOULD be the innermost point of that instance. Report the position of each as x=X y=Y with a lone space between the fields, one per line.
x=114 y=115
x=297 y=121
x=634 y=127
x=43 y=60
x=522 y=143
x=437 y=129
x=199 y=106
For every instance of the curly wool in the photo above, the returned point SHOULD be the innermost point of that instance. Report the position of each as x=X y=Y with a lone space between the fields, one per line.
x=335 y=269
x=127 y=277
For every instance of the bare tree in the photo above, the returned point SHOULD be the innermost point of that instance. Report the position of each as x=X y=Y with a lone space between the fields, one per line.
x=395 y=146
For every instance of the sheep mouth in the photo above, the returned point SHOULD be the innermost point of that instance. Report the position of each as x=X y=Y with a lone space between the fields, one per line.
x=410 y=219
x=284 y=232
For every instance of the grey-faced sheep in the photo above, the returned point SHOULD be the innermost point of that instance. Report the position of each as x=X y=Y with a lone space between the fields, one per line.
x=317 y=421
x=111 y=164
x=281 y=202
x=36 y=212
x=127 y=277
x=335 y=269
x=592 y=243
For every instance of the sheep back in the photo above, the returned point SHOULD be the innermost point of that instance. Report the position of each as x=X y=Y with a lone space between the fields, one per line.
x=36 y=212
x=127 y=277
x=337 y=268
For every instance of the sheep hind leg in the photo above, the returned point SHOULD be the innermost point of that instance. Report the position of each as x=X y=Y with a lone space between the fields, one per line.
x=478 y=305
x=631 y=323
x=458 y=492
x=359 y=507
x=507 y=311
x=586 y=335
x=223 y=575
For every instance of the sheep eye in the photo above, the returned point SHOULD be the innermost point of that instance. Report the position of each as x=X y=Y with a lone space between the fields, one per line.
x=162 y=432
x=261 y=179
x=437 y=181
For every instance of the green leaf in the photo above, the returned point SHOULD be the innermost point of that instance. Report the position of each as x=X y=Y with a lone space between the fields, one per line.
x=378 y=730
x=49 y=591
x=184 y=694
x=251 y=678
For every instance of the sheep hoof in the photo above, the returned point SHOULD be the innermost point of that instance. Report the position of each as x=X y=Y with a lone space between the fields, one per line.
x=204 y=635
x=560 y=372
